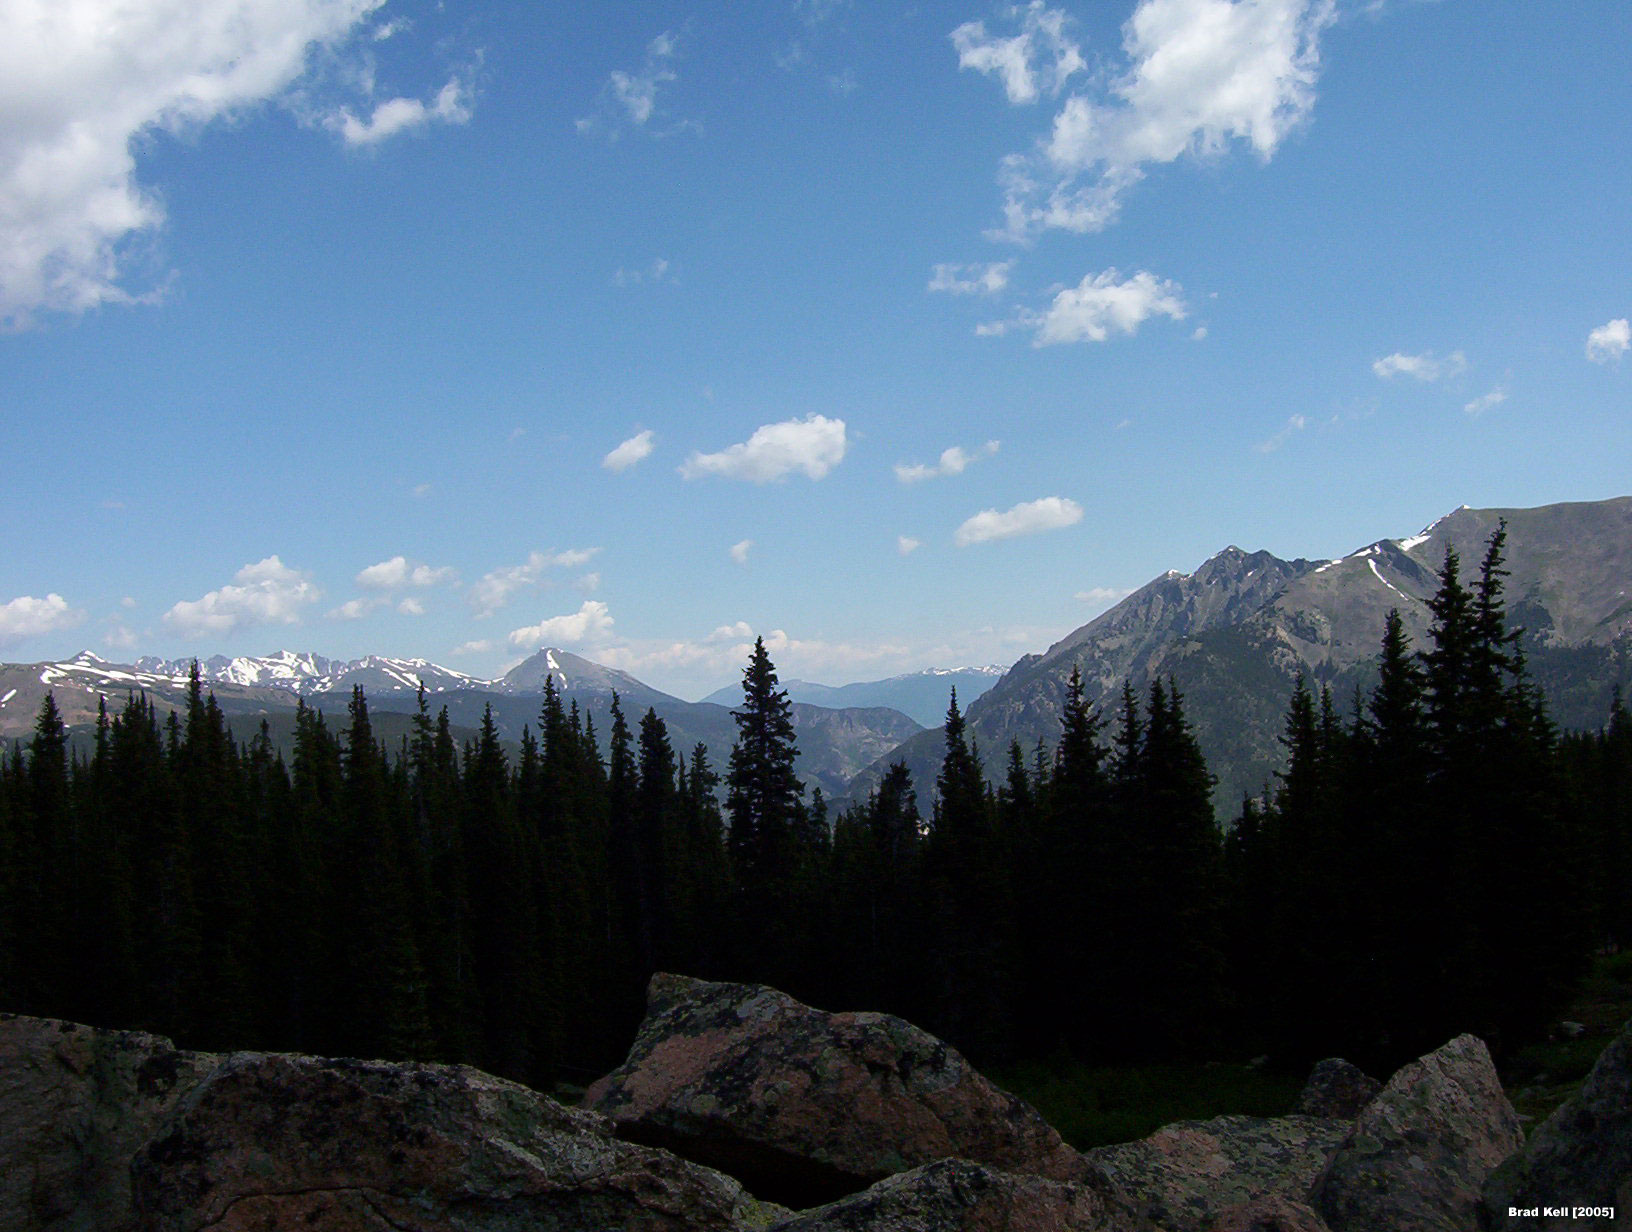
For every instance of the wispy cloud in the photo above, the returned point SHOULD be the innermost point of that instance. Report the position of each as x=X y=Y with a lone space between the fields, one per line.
x=1294 y=424
x=1039 y=58
x=980 y=279
x=953 y=461
x=1200 y=76
x=740 y=550
x=631 y=96
x=591 y=622
x=1484 y=403
x=1102 y=596
x=27 y=616
x=1027 y=518
x=906 y=545
x=1609 y=341
x=661 y=269
x=1424 y=367
x=811 y=446
x=450 y=105
x=267 y=592
x=496 y=588
x=631 y=452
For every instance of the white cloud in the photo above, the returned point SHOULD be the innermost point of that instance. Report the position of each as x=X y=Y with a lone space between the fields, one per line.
x=399 y=571
x=906 y=545
x=588 y=583
x=354 y=609
x=83 y=83
x=739 y=632
x=589 y=623
x=1294 y=423
x=119 y=638
x=979 y=279
x=1200 y=76
x=494 y=590
x=740 y=550
x=480 y=646
x=1026 y=518
x=267 y=592
x=1609 y=341
x=1102 y=596
x=1100 y=305
x=27 y=616
x=1040 y=57
x=1199 y=334
x=421 y=491
x=660 y=270
x=450 y=105
x=1484 y=402
x=636 y=449
x=635 y=93
x=953 y=461
x=812 y=446
x=1424 y=367
x=411 y=607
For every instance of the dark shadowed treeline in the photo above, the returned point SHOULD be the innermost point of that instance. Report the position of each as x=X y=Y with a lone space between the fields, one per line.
x=1434 y=858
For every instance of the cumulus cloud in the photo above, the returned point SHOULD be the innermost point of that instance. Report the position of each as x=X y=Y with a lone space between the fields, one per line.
x=1200 y=76
x=399 y=571
x=636 y=449
x=1424 y=367
x=953 y=461
x=450 y=105
x=495 y=589
x=589 y=623
x=411 y=607
x=1484 y=402
x=812 y=446
x=354 y=609
x=906 y=545
x=1040 y=57
x=1103 y=304
x=1026 y=518
x=27 y=616
x=986 y=278
x=740 y=550
x=267 y=592
x=1609 y=341
x=741 y=631
x=85 y=81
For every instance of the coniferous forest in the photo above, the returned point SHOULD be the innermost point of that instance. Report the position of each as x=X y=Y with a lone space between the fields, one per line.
x=1435 y=857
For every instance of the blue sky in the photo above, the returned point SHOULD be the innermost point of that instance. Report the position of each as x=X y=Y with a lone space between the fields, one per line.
x=902 y=335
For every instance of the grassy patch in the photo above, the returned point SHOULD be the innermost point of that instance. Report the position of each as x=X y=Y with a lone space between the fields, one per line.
x=1541 y=1076
x=1095 y=1106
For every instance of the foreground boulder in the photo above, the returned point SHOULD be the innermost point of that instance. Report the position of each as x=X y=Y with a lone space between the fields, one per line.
x=274 y=1141
x=955 y=1195
x=805 y=1107
x=76 y=1103
x=1336 y=1089
x=1186 y=1175
x=1418 y=1155
x=1581 y=1156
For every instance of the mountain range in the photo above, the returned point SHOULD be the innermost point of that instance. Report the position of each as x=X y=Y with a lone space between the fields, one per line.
x=1232 y=636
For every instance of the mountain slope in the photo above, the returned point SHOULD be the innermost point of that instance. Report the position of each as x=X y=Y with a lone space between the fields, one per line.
x=920 y=695
x=1234 y=634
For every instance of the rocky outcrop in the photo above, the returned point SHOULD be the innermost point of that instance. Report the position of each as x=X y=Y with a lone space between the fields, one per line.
x=804 y=1106
x=1274 y=1214
x=1336 y=1089
x=267 y=1141
x=1419 y=1154
x=1186 y=1175
x=955 y=1195
x=78 y=1103
x=118 y=1131
x=1580 y=1156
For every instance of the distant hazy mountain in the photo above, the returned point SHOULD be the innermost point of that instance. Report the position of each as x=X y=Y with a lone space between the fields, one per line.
x=834 y=743
x=1234 y=633
x=919 y=695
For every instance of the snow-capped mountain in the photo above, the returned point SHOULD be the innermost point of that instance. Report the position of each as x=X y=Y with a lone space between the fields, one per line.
x=311 y=673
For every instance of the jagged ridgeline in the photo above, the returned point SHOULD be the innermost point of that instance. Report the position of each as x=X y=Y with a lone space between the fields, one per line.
x=434 y=896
